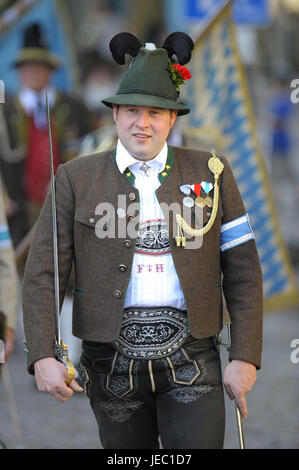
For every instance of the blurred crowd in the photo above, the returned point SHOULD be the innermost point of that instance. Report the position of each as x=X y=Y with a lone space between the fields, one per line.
x=24 y=148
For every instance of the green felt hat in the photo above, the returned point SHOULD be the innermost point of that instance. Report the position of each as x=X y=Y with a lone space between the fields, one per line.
x=151 y=78
x=35 y=49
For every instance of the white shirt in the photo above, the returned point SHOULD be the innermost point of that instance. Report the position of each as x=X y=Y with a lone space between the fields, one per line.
x=154 y=281
x=34 y=104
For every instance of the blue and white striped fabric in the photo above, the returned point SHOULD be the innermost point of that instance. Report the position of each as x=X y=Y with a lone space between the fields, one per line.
x=5 y=239
x=235 y=233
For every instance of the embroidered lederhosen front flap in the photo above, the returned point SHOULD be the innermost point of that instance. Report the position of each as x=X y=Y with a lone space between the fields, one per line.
x=152 y=333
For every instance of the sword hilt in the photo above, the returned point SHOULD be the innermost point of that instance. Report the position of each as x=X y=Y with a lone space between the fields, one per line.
x=61 y=353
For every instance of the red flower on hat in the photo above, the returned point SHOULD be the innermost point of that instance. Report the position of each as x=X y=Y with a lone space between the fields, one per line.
x=183 y=71
x=178 y=74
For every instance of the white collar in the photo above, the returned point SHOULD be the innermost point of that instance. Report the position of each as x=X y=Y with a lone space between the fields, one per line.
x=125 y=160
x=29 y=98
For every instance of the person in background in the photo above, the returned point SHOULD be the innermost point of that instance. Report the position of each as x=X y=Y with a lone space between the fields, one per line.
x=24 y=144
x=99 y=77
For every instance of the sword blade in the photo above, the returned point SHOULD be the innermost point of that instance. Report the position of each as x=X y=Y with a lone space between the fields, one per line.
x=54 y=228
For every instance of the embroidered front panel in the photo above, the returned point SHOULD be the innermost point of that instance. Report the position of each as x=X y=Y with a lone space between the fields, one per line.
x=153 y=238
x=152 y=334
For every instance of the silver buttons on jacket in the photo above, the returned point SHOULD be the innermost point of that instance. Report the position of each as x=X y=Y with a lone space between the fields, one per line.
x=118 y=294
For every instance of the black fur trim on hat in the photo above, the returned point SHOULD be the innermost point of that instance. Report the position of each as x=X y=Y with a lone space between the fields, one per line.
x=33 y=37
x=124 y=43
x=179 y=44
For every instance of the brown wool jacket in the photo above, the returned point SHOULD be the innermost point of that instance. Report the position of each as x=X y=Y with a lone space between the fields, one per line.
x=101 y=281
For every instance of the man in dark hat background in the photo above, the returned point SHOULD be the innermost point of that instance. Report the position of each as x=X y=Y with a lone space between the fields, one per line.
x=148 y=291
x=24 y=148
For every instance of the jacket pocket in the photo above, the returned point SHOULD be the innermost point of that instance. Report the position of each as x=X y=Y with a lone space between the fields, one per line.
x=86 y=216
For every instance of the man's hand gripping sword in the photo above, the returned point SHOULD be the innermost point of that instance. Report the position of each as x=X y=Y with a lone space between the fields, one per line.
x=60 y=349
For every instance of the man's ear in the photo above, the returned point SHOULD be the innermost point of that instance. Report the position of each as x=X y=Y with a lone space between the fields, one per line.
x=115 y=112
x=173 y=116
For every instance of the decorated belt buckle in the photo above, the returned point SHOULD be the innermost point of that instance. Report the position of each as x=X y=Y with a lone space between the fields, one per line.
x=152 y=333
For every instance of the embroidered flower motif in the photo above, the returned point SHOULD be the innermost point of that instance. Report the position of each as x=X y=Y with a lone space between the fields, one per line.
x=178 y=74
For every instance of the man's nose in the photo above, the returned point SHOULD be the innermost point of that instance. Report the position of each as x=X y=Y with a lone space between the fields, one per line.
x=143 y=120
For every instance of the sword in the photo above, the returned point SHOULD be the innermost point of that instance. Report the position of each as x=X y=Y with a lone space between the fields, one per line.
x=60 y=349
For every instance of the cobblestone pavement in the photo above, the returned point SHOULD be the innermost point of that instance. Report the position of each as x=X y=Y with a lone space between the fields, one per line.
x=272 y=423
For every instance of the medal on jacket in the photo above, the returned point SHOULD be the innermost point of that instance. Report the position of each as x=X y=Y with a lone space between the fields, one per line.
x=216 y=167
x=188 y=202
x=196 y=188
x=185 y=189
x=200 y=202
x=207 y=187
x=60 y=349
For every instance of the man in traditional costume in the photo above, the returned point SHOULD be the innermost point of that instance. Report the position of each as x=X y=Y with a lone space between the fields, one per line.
x=148 y=280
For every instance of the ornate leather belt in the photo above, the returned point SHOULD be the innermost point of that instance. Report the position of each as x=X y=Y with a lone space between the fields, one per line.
x=152 y=333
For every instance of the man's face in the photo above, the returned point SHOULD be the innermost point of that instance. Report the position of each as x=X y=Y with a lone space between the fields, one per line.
x=143 y=130
x=35 y=76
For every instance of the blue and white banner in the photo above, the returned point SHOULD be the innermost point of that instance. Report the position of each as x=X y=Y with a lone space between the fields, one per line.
x=221 y=118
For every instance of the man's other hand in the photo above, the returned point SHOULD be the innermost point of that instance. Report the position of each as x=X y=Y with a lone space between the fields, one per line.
x=239 y=378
